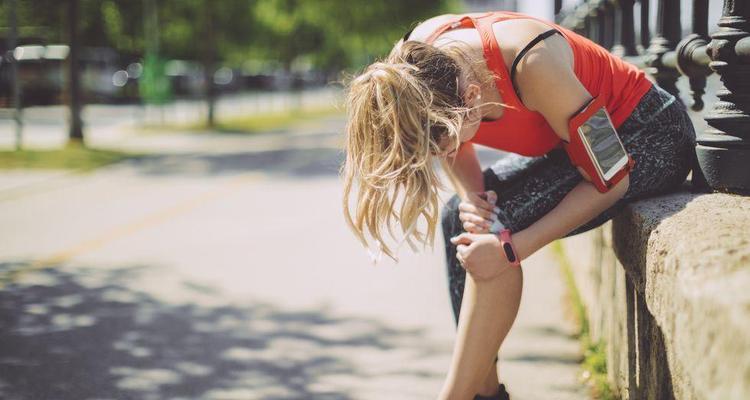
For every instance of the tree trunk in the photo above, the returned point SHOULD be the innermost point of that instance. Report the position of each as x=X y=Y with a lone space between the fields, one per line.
x=15 y=86
x=209 y=59
x=74 y=95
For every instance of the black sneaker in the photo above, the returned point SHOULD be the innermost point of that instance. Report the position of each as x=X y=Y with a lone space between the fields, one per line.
x=501 y=395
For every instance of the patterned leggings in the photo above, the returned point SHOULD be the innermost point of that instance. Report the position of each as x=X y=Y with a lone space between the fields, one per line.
x=659 y=136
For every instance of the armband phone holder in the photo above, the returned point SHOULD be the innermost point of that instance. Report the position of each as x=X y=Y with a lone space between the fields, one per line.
x=580 y=156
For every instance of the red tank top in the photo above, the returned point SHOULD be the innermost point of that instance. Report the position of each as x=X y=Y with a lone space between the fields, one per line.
x=520 y=130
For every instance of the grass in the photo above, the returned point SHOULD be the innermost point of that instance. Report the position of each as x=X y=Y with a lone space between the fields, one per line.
x=73 y=156
x=257 y=123
x=594 y=353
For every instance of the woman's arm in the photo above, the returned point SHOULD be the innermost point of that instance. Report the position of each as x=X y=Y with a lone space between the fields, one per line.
x=549 y=85
x=464 y=171
x=567 y=215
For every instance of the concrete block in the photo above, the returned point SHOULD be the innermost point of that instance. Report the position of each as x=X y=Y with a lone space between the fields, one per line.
x=666 y=286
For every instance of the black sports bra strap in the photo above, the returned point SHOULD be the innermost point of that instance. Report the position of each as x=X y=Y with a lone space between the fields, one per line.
x=531 y=44
x=406 y=36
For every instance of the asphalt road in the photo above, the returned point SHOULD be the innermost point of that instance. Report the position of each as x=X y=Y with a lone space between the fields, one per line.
x=221 y=268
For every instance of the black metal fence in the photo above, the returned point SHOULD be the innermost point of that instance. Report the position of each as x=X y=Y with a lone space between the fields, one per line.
x=723 y=149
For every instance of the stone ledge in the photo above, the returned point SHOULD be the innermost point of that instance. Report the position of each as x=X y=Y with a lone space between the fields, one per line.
x=688 y=255
x=667 y=288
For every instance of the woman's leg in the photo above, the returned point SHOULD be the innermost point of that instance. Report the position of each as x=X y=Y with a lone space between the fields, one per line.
x=527 y=188
x=487 y=313
x=456 y=283
x=484 y=321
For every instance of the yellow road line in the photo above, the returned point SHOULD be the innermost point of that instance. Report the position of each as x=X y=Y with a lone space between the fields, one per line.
x=107 y=237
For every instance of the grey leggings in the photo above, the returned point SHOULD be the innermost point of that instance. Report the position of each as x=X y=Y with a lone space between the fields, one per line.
x=658 y=135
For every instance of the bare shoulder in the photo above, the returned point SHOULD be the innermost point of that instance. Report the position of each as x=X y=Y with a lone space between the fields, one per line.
x=425 y=28
x=551 y=57
x=544 y=75
x=514 y=34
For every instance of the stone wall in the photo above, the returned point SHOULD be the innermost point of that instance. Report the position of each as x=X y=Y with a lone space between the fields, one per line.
x=667 y=287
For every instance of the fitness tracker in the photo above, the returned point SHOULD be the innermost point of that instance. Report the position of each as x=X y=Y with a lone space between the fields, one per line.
x=508 y=249
x=506 y=243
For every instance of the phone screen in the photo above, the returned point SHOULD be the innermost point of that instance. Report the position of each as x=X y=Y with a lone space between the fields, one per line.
x=602 y=142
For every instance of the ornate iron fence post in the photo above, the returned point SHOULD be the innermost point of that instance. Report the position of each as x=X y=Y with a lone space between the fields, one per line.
x=601 y=22
x=645 y=29
x=724 y=149
x=581 y=17
x=692 y=56
x=668 y=33
x=608 y=17
x=593 y=26
x=624 y=30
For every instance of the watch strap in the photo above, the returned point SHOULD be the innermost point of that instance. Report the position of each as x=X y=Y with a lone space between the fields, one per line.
x=509 y=250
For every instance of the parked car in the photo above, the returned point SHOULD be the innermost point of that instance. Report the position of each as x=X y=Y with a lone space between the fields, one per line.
x=41 y=75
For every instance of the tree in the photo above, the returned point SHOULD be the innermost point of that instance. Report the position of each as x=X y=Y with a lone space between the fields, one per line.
x=329 y=34
x=339 y=33
x=74 y=98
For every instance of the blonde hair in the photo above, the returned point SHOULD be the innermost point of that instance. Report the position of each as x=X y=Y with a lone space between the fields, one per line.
x=399 y=111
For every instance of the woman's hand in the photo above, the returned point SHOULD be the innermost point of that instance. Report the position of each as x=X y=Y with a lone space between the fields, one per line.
x=477 y=212
x=480 y=255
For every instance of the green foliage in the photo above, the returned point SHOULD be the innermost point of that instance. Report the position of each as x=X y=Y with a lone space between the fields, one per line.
x=595 y=369
x=73 y=156
x=341 y=33
x=38 y=19
x=330 y=34
x=123 y=26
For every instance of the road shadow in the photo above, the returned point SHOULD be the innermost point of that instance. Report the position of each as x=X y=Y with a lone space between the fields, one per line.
x=281 y=154
x=93 y=335
x=288 y=163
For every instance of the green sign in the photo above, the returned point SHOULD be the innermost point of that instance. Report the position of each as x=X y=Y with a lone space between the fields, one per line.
x=154 y=85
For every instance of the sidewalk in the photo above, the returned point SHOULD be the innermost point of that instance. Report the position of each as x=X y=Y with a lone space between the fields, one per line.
x=540 y=359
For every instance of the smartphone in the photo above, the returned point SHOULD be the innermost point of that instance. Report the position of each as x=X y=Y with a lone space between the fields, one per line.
x=603 y=145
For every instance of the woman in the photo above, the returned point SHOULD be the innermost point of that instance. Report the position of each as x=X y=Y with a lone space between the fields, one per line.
x=511 y=82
